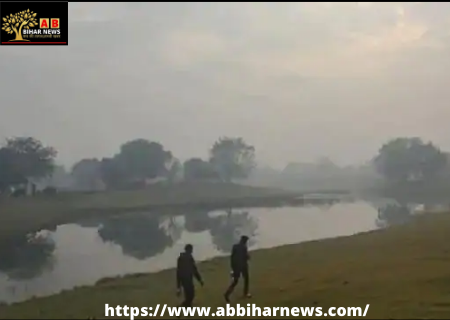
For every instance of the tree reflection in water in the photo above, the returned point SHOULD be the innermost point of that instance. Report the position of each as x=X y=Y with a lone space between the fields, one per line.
x=145 y=235
x=325 y=204
x=197 y=221
x=393 y=214
x=227 y=229
x=141 y=236
x=27 y=256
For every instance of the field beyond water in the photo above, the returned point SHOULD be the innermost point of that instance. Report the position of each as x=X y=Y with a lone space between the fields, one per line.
x=402 y=272
x=21 y=215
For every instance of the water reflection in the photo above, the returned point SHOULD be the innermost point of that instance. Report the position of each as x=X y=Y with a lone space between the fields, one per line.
x=80 y=254
x=140 y=236
x=197 y=221
x=28 y=256
x=226 y=229
x=394 y=214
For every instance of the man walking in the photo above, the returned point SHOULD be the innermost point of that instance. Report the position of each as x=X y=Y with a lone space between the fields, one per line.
x=239 y=267
x=186 y=272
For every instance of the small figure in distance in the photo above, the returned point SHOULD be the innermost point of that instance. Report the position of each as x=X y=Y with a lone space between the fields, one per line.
x=186 y=272
x=239 y=266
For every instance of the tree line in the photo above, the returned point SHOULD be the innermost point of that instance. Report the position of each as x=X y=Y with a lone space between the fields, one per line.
x=26 y=159
x=401 y=162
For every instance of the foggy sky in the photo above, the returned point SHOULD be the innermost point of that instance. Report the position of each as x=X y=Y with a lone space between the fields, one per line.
x=296 y=80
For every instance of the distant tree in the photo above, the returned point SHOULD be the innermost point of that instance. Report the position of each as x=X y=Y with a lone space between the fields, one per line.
x=143 y=159
x=174 y=171
x=87 y=173
x=24 y=158
x=137 y=160
x=9 y=175
x=32 y=158
x=112 y=173
x=197 y=169
x=404 y=160
x=232 y=158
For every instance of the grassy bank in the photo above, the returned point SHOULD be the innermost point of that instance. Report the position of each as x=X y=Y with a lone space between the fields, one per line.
x=402 y=272
x=20 y=215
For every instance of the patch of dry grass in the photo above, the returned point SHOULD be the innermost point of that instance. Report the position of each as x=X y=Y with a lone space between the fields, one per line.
x=402 y=272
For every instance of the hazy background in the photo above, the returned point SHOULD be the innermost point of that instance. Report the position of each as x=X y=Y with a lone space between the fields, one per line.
x=296 y=80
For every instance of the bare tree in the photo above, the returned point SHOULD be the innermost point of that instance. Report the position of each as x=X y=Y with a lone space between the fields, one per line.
x=15 y=22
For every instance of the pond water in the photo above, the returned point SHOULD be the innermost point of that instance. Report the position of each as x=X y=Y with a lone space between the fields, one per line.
x=82 y=253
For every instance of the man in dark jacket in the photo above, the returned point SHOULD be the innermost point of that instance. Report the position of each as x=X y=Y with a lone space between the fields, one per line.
x=239 y=267
x=186 y=272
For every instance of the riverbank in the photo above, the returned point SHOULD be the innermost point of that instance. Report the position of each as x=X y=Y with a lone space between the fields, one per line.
x=402 y=272
x=21 y=215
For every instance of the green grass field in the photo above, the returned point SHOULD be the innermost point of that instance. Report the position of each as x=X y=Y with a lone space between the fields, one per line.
x=21 y=215
x=402 y=272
